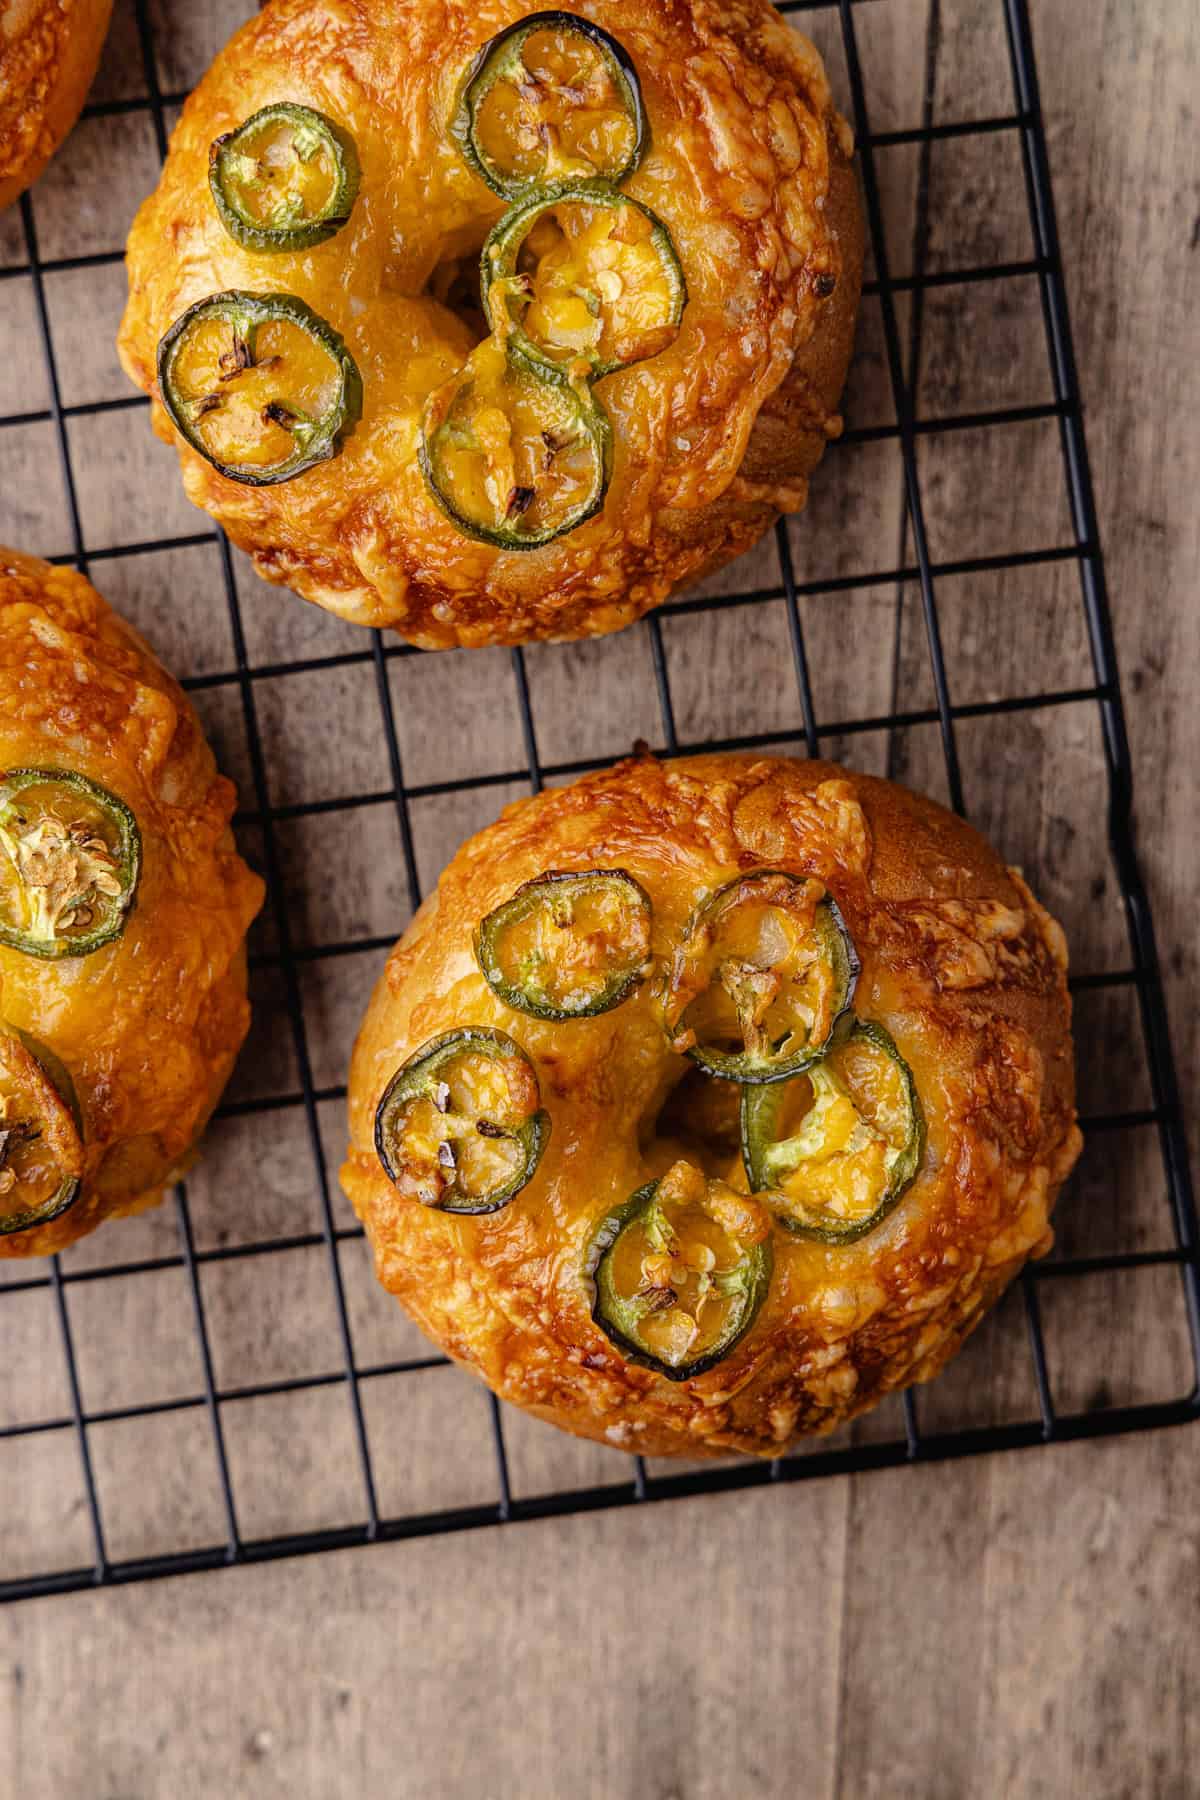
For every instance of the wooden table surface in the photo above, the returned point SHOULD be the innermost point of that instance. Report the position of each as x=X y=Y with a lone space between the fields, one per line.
x=1021 y=1624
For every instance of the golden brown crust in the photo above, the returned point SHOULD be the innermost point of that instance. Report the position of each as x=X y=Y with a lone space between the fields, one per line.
x=148 y=1026
x=960 y=964
x=750 y=167
x=48 y=55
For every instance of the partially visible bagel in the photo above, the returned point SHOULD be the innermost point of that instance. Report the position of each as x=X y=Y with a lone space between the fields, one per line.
x=48 y=55
x=115 y=1055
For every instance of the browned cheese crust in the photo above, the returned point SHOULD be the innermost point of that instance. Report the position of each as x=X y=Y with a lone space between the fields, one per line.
x=961 y=965
x=149 y=1025
x=749 y=165
x=48 y=55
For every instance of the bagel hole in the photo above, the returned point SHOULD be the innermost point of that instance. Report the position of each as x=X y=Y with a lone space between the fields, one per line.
x=700 y=1120
x=454 y=284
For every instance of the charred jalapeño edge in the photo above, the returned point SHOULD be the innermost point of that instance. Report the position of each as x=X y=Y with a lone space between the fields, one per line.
x=499 y=56
x=743 y=1066
x=760 y=1109
x=312 y=131
x=576 y=403
x=58 y=1078
x=498 y=268
x=619 y=1318
x=420 y=1079
x=316 y=440
x=114 y=908
x=544 y=892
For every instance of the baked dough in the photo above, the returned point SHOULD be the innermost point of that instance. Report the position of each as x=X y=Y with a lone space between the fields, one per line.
x=749 y=166
x=146 y=1027
x=959 y=963
x=48 y=55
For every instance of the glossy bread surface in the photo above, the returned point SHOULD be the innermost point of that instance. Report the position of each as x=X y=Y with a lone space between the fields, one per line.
x=148 y=1025
x=48 y=54
x=748 y=165
x=959 y=964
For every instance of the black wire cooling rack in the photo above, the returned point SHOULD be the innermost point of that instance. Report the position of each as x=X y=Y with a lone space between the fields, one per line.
x=631 y=1483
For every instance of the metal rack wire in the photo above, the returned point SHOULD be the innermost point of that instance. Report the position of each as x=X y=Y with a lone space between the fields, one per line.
x=1142 y=976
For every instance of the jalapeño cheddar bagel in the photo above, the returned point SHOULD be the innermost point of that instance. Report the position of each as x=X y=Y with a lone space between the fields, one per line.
x=488 y=324
x=123 y=910
x=48 y=55
x=707 y=1102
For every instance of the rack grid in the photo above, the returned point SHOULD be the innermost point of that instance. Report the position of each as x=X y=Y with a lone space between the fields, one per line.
x=634 y=1483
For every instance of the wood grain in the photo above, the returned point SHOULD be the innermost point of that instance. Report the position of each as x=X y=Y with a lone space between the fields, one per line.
x=1019 y=1625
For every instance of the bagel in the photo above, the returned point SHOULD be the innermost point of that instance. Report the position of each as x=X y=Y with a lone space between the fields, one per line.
x=672 y=298
x=550 y=1174
x=48 y=55
x=123 y=912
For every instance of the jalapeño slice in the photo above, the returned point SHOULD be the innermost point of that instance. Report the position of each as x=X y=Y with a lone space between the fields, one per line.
x=259 y=384
x=41 y=1149
x=553 y=98
x=459 y=1127
x=679 y=1272
x=70 y=857
x=586 y=277
x=514 y=459
x=835 y=1150
x=567 y=946
x=765 y=970
x=286 y=179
